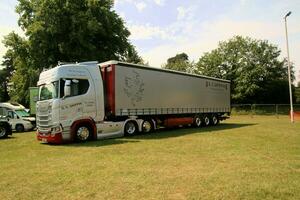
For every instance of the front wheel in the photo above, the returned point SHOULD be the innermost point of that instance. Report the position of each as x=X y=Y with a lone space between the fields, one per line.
x=3 y=132
x=130 y=128
x=19 y=128
x=83 y=133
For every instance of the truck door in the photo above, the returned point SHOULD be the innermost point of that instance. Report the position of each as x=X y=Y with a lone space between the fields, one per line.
x=79 y=103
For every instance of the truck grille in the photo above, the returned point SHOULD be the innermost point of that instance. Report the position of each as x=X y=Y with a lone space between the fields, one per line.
x=43 y=116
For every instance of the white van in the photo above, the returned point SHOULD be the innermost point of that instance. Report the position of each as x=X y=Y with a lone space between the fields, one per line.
x=19 y=118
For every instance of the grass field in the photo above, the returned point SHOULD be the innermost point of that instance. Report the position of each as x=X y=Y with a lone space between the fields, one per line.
x=242 y=158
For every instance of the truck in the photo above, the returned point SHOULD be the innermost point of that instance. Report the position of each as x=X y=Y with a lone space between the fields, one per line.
x=19 y=119
x=91 y=100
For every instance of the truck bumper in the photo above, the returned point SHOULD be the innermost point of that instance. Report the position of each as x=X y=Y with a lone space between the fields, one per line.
x=50 y=138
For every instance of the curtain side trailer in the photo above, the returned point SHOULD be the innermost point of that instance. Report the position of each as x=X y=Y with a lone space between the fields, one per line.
x=119 y=99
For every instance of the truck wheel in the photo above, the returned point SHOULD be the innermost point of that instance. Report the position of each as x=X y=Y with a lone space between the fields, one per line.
x=214 y=120
x=3 y=132
x=130 y=128
x=197 y=121
x=19 y=128
x=206 y=120
x=147 y=126
x=83 y=133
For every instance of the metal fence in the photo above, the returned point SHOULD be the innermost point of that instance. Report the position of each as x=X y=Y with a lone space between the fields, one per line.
x=263 y=109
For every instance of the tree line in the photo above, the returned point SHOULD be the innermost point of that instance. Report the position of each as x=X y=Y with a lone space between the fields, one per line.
x=84 y=30
x=257 y=74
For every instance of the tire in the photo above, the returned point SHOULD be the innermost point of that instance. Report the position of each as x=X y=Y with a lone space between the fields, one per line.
x=197 y=121
x=130 y=128
x=83 y=133
x=19 y=128
x=214 y=120
x=206 y=120
x=147 y=126
x=3 y=132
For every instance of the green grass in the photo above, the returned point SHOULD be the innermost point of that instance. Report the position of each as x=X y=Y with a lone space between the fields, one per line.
x=242 y=158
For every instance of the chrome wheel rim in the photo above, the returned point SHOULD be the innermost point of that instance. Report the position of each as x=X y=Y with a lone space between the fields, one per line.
x=83 y=133
x=198 y=121
x=206 y=121
x=2 y=131
x=147 y=127
x=215 y=120
x=130 y=128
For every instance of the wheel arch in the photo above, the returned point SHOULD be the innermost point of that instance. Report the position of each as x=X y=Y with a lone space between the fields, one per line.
x=87 y=121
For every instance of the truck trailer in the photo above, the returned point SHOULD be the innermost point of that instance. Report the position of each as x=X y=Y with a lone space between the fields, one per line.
x=88 y=100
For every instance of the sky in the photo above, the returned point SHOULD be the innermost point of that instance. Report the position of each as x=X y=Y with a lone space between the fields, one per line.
x=163 y=28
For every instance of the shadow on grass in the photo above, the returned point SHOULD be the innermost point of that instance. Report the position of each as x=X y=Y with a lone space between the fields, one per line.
x=96 y=143
x=8 y=138
x=168 y=133
x=161 y=134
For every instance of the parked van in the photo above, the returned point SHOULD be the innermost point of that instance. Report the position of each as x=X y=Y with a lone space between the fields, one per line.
x=19 y=118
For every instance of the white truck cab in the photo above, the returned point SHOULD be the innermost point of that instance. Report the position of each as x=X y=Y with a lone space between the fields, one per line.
x=69 y=95
x=19 y=118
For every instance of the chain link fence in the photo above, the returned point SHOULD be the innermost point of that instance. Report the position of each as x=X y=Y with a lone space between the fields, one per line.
x=263 y=109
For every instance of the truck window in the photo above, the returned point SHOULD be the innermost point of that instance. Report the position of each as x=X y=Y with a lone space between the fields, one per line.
x=49 y=91
x=78 y=86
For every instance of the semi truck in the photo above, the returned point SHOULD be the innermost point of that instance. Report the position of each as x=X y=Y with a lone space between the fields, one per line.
x=91 y=100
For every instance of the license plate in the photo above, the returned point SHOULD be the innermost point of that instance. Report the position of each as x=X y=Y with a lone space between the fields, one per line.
x=44 y=140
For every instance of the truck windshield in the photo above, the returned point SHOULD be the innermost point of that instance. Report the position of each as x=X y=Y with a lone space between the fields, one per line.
x=22 y=113
x=49 y=91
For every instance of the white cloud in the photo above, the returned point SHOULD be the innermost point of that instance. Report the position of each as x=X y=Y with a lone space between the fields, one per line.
x=140 y=6
x=181 y=13
x=145 y=32
x=159 y=2
x=186 y=13
x=206 y=36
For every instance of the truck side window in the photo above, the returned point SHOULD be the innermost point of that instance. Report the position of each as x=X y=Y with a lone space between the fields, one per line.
x=78 y=87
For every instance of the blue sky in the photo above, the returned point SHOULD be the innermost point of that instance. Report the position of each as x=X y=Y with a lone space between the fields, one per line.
x=162 y=28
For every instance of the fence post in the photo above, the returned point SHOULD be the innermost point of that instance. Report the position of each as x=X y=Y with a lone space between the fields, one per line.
x=276 y=105
x=252 y=110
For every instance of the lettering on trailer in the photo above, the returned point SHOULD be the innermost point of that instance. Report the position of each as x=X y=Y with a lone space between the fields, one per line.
x=134 y=87
x=216 y=85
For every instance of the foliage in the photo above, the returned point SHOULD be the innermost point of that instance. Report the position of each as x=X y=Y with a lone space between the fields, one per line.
x=256 y=73
x=297 y=94
x=180 y=62
x=64 y=30
x=15 y=58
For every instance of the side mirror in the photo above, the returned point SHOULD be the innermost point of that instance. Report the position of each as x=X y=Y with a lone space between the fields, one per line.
x=67 y=88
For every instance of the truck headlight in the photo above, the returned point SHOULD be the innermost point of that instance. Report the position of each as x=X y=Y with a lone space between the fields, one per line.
x=55 y=129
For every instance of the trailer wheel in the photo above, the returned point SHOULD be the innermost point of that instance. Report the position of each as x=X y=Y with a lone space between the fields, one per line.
x=147 y=126
x=197 y=121
x=3 y=132
x=83 y=133
x=206 y=120
x=19 y=128
x=214 y=120
x=130 y=128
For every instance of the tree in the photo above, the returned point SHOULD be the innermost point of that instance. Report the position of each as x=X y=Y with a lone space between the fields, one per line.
x=65 y=30
x=252 y=66
x=180 y=62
